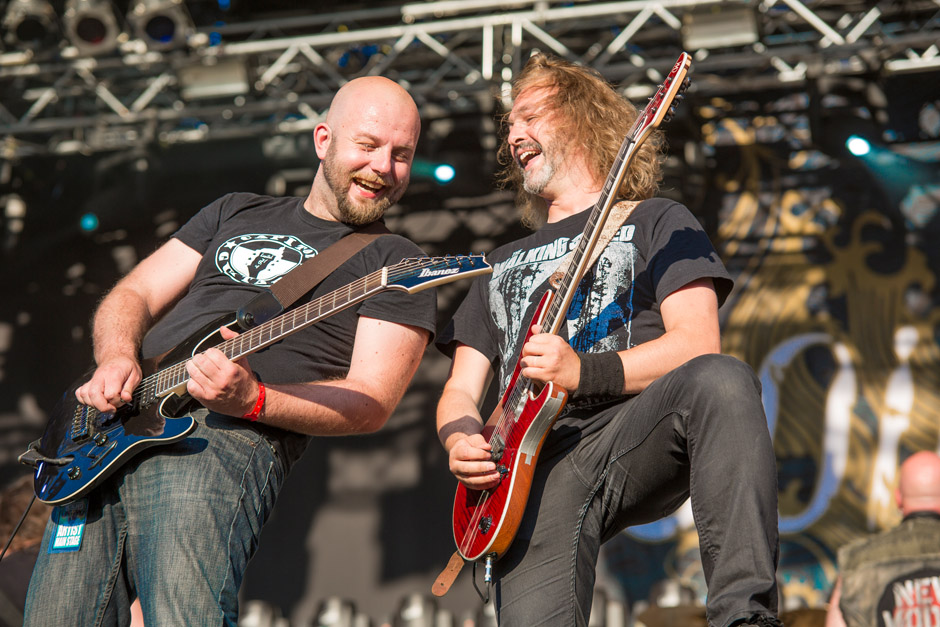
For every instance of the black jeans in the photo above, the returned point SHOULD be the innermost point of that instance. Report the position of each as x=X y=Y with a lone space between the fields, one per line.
x=699 y=430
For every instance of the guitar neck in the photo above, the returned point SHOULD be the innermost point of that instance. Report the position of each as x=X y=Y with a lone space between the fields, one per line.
x=410 y=275
x=174 y=378
x=659 y=108
x=278 y=328
x=581 y=255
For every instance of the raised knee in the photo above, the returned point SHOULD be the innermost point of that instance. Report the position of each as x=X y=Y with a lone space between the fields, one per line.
x=718 y=366
x=724 y=375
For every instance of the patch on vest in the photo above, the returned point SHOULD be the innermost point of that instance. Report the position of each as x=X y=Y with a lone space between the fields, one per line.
x=911 y=600
x=259 y=259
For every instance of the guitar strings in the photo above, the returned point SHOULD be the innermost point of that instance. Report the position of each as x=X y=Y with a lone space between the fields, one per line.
x=256 y=338
x=600 y=211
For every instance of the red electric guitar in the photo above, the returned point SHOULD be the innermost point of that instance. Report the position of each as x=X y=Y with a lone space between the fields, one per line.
x=485 y=521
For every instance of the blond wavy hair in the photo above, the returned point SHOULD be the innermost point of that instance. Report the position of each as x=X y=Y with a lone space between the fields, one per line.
x=593 y=118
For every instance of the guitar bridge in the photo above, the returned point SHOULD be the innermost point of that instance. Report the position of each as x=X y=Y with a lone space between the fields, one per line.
x=81 y=421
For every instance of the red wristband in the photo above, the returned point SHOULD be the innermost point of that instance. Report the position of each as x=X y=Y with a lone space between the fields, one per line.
x=259 y=404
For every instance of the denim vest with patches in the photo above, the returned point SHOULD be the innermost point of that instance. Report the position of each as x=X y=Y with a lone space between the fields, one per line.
x=893 y=579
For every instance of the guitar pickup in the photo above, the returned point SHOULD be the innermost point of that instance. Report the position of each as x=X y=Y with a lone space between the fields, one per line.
x=498 y=447
x=100 y=456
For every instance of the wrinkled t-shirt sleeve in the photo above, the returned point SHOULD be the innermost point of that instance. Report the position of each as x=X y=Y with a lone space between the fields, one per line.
x=199 y=230
x=683 y=253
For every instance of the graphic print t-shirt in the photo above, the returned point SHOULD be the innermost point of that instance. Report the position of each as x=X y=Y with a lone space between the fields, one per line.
x=248 y=242
x=659 y=249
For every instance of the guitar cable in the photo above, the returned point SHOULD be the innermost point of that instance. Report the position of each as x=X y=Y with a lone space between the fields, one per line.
x=487 y=578
x=17 y=527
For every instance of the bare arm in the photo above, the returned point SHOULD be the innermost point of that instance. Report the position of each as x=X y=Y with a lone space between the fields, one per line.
x=690 y=318
x=834 y=614
x=459 y=422
x=384 y=360
x=125 y=315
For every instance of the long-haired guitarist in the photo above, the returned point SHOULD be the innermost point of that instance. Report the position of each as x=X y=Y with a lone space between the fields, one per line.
x=654 y=412
x=177 y=524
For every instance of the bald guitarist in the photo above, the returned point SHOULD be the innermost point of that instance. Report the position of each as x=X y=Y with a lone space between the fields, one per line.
x=177 y=524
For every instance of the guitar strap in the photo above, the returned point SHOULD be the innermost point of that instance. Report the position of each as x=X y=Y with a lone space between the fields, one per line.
x=619 y=214
x=306 y=276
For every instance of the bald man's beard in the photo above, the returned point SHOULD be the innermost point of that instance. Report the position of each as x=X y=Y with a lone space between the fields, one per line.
x=365 y=210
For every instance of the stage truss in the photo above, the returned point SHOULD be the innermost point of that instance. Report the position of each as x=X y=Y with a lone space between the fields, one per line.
x=276 y=76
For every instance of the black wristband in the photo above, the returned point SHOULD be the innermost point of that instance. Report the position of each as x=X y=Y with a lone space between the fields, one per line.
x=601 y=375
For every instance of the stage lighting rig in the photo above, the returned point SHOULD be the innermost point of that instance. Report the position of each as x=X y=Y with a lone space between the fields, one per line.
x=720 y=25
x=92 y=26
x=30 y=24
x=161 y=24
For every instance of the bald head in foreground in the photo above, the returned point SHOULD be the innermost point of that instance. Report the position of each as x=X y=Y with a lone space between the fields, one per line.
x=919 y=486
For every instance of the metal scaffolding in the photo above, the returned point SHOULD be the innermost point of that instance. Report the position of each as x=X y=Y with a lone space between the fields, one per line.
x=276 y=76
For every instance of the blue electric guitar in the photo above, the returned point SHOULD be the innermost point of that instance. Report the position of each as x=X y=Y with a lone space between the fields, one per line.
x=81 y=446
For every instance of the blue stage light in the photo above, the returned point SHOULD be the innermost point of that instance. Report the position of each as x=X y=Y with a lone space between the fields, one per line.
x=444 y=173
x=440 y=173
x=858 y=146
x=88 y=222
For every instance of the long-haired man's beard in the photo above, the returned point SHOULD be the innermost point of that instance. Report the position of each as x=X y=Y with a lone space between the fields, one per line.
x=535 y=181
x=366 y=210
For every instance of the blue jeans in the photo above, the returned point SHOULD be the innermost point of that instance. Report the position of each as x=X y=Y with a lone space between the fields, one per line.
x=175 y=527
x=698 y=430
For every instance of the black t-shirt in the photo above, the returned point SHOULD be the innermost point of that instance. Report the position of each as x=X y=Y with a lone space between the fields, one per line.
x=248 y=242
x=659 y=249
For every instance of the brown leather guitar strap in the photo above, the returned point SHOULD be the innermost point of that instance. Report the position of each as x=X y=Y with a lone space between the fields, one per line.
x=619 y=214
x=446 y=579
x=307 y=275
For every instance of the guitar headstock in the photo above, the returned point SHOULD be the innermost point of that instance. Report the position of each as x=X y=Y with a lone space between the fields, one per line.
x=418 y=273
x=662 y=105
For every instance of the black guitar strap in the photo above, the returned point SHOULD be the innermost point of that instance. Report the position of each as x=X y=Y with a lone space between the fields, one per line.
x=306 y=276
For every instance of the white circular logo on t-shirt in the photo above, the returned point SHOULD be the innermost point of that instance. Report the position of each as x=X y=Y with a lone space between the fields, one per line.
x=261 y=259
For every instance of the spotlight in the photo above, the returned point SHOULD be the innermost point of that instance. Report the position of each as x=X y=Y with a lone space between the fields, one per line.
x=720 y=25
x=416 y=610
x=91 y=26
x=88 y=222
x=225 y=79
x=161 y=24
x=336 y=612
x=444 y=173
x=30 y=24
x=858 y=146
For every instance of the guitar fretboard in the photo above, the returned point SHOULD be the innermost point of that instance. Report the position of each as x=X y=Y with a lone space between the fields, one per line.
x=411 y=275
x=582 y=252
